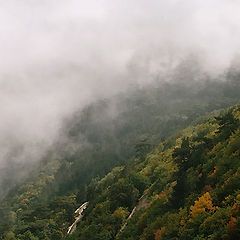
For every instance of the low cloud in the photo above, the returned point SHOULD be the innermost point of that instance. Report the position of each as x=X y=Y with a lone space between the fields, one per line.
x=58 y=56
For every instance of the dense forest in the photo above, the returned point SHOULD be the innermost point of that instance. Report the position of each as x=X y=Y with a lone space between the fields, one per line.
x=190 y=183
x=130 y=147
x=120 y=120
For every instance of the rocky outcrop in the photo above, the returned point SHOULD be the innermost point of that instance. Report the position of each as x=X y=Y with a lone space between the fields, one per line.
x=78 y=216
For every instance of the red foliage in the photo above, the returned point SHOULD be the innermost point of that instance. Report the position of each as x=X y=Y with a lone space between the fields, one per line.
x=231 y=224
x=161 y=195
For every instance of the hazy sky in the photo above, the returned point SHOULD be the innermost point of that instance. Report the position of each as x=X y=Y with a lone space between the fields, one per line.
x=58 y=55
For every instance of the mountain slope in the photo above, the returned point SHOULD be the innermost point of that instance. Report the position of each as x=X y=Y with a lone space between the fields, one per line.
x=192 y=182
x=105 y=135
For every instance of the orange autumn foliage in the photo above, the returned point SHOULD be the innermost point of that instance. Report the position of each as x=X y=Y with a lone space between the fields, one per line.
x=214 y=172
x=159 y=233
x=231 y=225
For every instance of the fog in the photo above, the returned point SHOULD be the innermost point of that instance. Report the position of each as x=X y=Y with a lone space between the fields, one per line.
x=58 y=56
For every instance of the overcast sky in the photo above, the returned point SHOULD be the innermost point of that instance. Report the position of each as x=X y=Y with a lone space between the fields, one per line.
x=58 y=55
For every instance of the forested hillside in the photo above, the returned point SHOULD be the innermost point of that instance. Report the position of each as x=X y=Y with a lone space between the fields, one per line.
x=120 y=120
x=121 y=132
x=191 y=183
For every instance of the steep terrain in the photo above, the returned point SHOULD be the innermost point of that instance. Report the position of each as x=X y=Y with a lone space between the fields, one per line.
x=120 y=133
x=192 y=183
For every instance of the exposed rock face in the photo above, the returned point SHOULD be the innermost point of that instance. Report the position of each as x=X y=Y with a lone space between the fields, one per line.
x=142 y=203
x=78 y=217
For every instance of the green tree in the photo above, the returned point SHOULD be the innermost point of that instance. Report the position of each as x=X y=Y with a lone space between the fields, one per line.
x=181 y=157
x=227 y=125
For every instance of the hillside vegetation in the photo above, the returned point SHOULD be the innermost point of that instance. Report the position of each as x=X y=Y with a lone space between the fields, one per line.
x=192 y=182
x=130 y=134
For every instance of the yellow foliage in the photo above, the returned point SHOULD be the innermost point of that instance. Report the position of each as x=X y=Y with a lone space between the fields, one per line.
x=121 y=213
x=203 y=204
x=182 y=222
x=238 y=197
x=10 y=236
